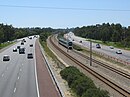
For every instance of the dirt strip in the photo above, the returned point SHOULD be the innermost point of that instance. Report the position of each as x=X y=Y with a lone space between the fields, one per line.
x=45 y=83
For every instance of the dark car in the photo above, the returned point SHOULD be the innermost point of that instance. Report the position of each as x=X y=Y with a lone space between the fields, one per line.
x=18 y=47
x=31 y=45
x=30 y=56
x=22 y=43
x=6 y=58
x=22 y=51
x=15 y=50
x=80 y=41
x=98 y=46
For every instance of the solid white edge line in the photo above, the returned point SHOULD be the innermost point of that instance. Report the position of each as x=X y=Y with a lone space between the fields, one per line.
x=38 y=95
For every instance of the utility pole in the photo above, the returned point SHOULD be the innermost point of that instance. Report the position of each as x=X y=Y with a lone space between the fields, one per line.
x=90 y=52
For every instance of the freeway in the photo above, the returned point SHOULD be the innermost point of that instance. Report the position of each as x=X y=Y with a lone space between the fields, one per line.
x=17 y=76
x=125 y=56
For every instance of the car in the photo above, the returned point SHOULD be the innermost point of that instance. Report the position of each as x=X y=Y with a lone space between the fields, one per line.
x=98 y=46
x=22 y=43
x=22 y=51
x=31 y=45
x=6 y=58
x=119 y=52
x=30 y=56
x=15 y=50
x=111 y=47
x=18 y=47
x=80 y=41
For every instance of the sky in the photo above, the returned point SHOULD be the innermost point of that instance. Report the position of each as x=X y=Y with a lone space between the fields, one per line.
x=64 y=13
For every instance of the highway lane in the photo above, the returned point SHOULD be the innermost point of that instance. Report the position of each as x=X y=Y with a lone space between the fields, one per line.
x=125 y=56
x=17 y=76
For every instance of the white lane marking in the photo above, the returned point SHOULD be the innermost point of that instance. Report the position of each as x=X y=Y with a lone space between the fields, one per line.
x=22 y=64
x=14 y=89
x=7 y=68
x=18 y=77
x=3 y=75
x=20 y=69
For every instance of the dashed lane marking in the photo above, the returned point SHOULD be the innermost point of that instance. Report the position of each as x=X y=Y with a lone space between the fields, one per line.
x=15 y=89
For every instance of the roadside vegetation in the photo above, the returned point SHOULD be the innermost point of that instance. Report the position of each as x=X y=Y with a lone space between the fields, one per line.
x=10 y=33
x=43 y=38
x=110 y=34
x=2 y=45
x=80 y=84
x=76 y=47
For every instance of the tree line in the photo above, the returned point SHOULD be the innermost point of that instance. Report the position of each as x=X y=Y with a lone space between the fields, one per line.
x=106 y=32
x=9 y=33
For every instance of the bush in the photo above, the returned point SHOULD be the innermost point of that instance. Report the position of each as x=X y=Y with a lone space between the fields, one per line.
x=95 y=93
x=81 y=84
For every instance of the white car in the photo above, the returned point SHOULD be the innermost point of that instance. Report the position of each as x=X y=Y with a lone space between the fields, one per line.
x=15 y=50
x=119 y=52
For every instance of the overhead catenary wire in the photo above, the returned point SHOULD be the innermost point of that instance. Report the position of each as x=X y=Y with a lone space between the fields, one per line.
x=64 y=8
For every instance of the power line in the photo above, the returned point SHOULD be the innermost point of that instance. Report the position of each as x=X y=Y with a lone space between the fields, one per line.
x=64 y=8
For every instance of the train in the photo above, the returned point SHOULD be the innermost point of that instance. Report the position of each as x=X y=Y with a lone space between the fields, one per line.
x=66 y=43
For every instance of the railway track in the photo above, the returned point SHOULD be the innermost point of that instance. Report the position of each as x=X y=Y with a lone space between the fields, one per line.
x=126 y=75
x=108 y=82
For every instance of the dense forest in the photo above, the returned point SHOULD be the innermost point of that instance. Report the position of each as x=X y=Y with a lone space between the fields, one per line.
x=106 y=33
x=9 y=33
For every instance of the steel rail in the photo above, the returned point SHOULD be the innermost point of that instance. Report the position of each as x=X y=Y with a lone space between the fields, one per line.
x=108 y=82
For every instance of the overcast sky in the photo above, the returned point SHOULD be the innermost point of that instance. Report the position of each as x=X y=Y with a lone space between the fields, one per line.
x=54 y=13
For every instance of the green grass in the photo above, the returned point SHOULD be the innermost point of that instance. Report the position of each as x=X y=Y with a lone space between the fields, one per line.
x=47 y=50
x=2 y=45
x=50 y=54
x=78 y=48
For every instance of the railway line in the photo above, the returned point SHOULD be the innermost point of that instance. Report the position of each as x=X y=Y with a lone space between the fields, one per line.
x=108 y=82
x=107 y=66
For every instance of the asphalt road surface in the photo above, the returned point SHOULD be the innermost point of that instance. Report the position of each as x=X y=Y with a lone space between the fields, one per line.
x=125 y=56
x=17 y=76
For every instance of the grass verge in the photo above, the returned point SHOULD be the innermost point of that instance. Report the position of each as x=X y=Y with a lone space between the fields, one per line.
x=2 y=45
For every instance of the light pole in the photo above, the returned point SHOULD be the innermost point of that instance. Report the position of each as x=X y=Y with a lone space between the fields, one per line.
x=90 y=52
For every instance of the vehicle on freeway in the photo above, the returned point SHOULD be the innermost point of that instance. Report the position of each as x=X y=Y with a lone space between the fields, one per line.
x=111 y=47
x=18 y=47
x=22 y=51
x=119 y=52
x=80 y=41
x=30 y=37
x=31 y=45
x=6 y=58
x=30 y=56
x=24 y=40
x=14 y=49
x=66 y=43
x=22 y=43
x=98 y=46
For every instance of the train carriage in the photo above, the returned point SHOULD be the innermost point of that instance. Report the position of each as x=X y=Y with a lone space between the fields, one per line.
x=65 y=43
